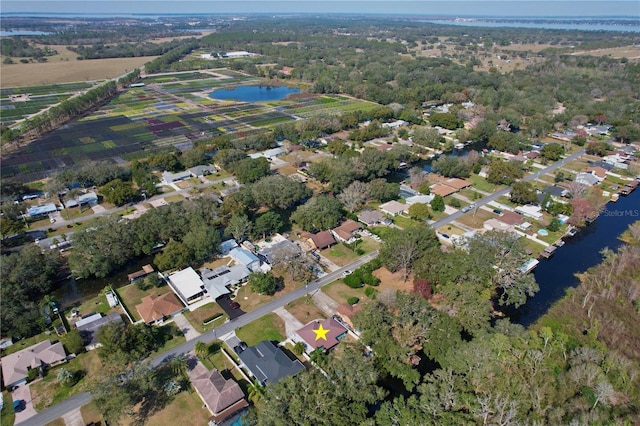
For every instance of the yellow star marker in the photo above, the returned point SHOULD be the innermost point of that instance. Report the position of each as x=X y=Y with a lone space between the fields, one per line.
x=321 y=333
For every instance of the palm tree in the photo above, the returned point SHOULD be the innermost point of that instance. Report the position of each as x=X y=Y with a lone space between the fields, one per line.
x=256 y=391
x=298 y=348
x=318 y=357
x=178 y=365
x=201 y=349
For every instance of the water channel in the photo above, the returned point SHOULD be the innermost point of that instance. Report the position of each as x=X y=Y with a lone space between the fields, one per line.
x=580 y=253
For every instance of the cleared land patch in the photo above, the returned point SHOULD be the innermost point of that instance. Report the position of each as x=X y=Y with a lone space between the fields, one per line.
x=68 y=71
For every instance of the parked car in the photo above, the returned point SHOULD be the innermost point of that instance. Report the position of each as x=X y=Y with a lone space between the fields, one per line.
x=234 y=305
x=19 y=405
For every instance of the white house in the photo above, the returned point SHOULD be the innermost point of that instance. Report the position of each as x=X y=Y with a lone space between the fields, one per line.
x=168 y=177
x=424 y=199
x=246 y=258
x=187 y=285
x=534 y=212
x=393 y=208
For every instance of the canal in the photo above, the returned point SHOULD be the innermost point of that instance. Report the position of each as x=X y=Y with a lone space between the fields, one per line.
x=581 y=252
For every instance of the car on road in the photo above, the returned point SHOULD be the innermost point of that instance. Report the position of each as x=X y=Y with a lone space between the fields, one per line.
x=345 y=273
x=468 y=208
x=234 y=305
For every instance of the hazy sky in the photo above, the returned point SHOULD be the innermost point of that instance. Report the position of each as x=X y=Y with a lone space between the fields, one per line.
x=629 y=8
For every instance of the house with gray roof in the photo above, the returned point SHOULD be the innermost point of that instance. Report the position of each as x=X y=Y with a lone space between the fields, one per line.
x=268 y=363
x=217 y=280
x=199 y=171
x=89 y=330
x=16 y=366
x=280 y=252
x=168 y=177
x=245 y=257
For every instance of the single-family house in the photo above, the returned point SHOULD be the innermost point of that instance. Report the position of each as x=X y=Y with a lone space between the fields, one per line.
x=146 y=270
x=557 y=193
x=371 y=217
x=497 y=225
x=602 y=164
x=442 y=190
x=534 y=212
x=280 y=252
x=322 y=334
x=321 y=240
x=511 y=218
x=347 y=312
x=588 y=179
x=218 y=280
x=268 y=363
x=457 y=183
x=227 y=246
x=347 y=231
x=155 y=309
x=187 y=285
x=90 y=199
x=599 y=172
x=532 y=155
x=200 y=171
x=222 y=397
x=245 y=257
x=42 y=210
x=16 y=366
x=89 y=329
x=393 y=208
x=423 y=199
x=168 y=177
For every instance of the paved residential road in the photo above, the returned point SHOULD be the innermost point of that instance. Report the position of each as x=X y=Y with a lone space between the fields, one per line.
x=498 y=194
x=83 y=398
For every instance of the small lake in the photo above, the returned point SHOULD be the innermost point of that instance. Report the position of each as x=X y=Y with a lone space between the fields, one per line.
x=579 y=253
x=254 y=93
x=11 y=33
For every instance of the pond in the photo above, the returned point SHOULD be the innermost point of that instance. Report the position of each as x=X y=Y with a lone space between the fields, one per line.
x=254 y=93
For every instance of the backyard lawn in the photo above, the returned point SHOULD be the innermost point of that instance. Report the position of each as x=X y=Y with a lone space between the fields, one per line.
x=7 y=416
x=269 y=327
x=481 y=184
x=131 y=295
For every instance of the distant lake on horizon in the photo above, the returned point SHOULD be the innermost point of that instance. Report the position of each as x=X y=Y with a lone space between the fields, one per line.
x=583 y=26
x=254 y=93
x=11 y=33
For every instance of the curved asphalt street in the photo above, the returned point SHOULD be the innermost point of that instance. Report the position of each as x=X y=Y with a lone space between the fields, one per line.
x=81 y=399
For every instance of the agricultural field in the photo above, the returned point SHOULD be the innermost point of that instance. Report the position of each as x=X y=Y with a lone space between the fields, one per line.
x=158 y=116
x=37 y=98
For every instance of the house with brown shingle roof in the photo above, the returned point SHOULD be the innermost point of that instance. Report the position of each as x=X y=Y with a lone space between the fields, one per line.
x=222 y=397
x=322 y=334
x=16 y=366
x=155 y=308
x=442 y=190
x=597 y=171
x=457 y=183
x=347 y=312
x=321 y=240
x=511 y=218
x=347 y=231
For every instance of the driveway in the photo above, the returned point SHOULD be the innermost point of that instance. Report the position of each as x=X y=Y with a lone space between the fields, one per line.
x=225 y=304
x=185 y=326
x=291 y=323
x=324 y=302
x=24 y=393
x=73 y=418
